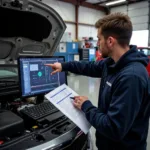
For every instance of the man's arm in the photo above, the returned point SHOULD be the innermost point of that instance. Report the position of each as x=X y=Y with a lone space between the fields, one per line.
x=93 y=69
x=125 y=104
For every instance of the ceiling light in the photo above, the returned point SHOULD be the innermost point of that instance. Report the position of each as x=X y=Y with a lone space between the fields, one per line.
x=115 y=2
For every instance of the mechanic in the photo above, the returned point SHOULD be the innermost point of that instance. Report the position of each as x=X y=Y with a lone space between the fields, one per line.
x=122 y=117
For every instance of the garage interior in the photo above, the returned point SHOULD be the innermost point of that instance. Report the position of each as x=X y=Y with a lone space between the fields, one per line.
x=80 y=19
x=68 y=31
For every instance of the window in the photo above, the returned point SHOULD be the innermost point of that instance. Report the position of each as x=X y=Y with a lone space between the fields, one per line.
x=145 y=51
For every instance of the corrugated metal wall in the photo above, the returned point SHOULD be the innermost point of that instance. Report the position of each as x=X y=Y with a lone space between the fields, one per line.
x=89 y=16
x=138 y=12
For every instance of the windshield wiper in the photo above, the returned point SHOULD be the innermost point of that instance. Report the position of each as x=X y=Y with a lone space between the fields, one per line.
x=8 y=80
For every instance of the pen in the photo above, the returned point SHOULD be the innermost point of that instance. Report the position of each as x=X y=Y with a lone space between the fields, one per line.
x=72 y=98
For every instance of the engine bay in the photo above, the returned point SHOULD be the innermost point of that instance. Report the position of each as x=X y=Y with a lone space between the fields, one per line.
x=16 y=128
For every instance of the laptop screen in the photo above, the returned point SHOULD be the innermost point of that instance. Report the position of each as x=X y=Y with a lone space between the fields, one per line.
x=36 y=78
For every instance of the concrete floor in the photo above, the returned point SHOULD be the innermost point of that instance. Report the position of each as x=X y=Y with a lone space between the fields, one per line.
x=86 y=86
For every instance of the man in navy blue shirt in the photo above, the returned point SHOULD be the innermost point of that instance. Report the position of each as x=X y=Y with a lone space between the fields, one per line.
x=121 y=119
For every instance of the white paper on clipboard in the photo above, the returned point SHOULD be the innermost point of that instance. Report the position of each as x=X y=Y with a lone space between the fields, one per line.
x=60 y=98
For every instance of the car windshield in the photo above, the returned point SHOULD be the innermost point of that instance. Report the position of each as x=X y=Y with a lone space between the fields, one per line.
x=146 y=51
x=6 y=72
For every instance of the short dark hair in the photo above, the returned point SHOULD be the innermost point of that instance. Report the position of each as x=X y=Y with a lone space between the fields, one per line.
x=117 y=25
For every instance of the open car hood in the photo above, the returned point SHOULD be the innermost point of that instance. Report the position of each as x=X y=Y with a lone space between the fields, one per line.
x=28 y=27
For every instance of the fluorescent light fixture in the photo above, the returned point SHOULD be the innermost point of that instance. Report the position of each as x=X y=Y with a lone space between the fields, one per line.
x=115 y=2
